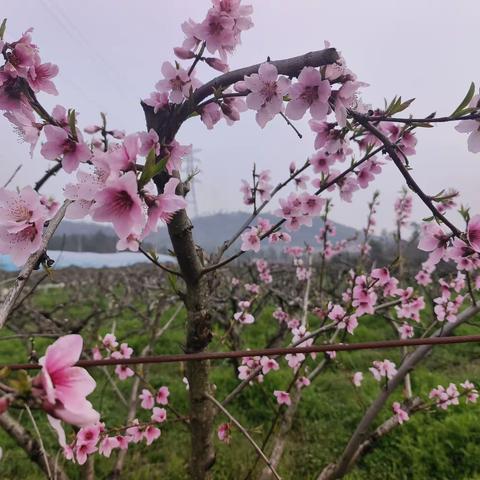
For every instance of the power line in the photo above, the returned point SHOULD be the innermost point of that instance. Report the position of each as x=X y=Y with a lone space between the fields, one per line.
x=189 y=357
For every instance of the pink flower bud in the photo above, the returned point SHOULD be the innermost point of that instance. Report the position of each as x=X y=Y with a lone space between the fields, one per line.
x=217 y=64
x=4 y=404
x=118 y=134
x=183 y=53
x=92 y=129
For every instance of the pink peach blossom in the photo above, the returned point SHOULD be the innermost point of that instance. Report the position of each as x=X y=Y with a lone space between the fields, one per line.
x=21 y=243
x=120 y=204
x=309 y=92
x=283 y=398
x=266 y=92
x=162 y=395
x=64 y=387
x=107 y=445
x=250 y=240
x=164 y=206
x=123 y=372
x=223 y=432
x=177 y=83
x=400 y=414
x=157 y=100
x=159 y=415
x=40 y=78
x=151 y=433
x=59 y=143
x=357 y=379
x=147 y=399
x=473 y=232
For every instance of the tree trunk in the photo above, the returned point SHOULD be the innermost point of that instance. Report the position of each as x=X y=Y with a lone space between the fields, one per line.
x=201 y=409
x=199 y=334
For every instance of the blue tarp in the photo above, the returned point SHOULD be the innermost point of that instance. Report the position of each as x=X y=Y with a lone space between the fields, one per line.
x=89 y=259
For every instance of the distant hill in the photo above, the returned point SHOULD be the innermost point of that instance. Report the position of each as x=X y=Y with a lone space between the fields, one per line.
x=210 y=231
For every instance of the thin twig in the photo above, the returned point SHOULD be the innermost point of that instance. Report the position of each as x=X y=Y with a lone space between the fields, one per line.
x=115 y=387
x=275 y=227
x=289 y=123
x=12 y=176
x=158 y=264
x=52 y=171
x=40 y=441
x=245 y=433
x=412 y=184
x=381 y=118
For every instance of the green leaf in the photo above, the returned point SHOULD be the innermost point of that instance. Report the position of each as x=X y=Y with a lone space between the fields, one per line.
x=468 y=97
x=403 y=106
x=151 y=168
x=3 y=26
x=465 y=213
x=72 y=123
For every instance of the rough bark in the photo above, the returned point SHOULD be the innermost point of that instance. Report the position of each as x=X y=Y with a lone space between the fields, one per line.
x=347 y=458
x=199 y=334
x=31 y=446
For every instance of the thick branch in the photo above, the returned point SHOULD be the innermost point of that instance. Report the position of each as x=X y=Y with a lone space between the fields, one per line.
x=410 y=362
x=385 y=428
x=166 y=122
x=290 y=67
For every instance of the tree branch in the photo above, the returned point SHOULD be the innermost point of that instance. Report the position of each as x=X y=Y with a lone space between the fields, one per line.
x=49 y=173
x=291 y=67
x=31 y=446
x=246 y=434
x=412 y=184
x=346 y=460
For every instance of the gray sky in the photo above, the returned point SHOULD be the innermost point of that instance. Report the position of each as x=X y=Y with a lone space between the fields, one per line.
x=110 y=54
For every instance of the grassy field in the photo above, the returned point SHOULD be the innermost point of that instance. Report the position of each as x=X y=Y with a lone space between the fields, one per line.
x=434 y=445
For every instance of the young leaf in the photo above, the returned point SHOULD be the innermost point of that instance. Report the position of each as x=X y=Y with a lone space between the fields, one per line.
x=3 y=26
x=403 y=106
x=468 y=97
x=151 y=168
x=72 y=123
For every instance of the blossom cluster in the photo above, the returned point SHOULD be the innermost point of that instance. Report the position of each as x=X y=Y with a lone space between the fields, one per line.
x=115 y=350
x=445 y=397
x=117 y=189
x=97 y=438
x=22 y=218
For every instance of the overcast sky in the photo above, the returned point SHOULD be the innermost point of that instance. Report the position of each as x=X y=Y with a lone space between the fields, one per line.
x=110 y=53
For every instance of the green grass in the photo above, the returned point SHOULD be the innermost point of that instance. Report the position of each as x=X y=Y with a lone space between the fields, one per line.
x=435 y=445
